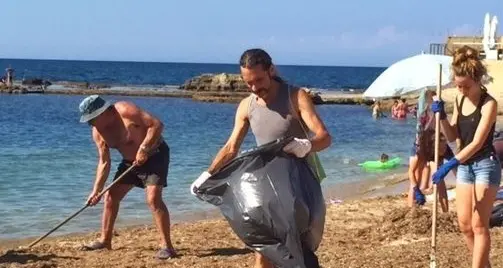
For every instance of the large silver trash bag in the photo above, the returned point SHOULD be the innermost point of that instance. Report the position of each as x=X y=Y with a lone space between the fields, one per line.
x=272 y=202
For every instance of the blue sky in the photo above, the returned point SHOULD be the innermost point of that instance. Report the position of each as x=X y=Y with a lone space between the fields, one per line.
x=323 y=32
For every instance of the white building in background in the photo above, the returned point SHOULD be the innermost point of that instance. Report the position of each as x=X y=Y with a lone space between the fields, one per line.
x=489 y=41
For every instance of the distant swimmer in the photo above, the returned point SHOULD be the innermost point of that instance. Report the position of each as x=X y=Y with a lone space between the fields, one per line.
x=376 y=110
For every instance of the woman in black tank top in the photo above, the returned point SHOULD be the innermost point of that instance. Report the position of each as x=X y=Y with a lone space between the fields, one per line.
x=478 y=167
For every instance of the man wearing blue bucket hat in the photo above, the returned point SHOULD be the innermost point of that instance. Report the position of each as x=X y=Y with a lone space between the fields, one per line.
x=136 y=134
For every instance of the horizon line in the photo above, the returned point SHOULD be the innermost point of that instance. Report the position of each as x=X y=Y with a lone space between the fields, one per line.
x=187 y=62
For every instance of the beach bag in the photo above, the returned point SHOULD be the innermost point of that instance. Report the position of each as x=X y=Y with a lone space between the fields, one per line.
x=272 y=201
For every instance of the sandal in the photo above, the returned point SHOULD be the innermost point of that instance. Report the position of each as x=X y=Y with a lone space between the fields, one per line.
x=96 y=245
x=165 y=253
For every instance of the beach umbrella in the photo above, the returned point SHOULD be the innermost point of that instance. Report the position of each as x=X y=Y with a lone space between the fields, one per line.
x=492 y=33
x=410 y=75
x=487 y=32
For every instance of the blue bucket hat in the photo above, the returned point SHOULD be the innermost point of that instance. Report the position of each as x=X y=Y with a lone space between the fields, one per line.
x=91 y=107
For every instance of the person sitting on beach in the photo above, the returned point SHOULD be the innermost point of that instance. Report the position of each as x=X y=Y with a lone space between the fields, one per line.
x=479 y=168
x=137 y=135
x=273 y=110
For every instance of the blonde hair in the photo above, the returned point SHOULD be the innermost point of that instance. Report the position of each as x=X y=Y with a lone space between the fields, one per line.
x=466 y=62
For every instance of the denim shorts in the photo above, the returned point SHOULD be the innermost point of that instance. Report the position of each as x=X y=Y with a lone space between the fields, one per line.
x=486 y=170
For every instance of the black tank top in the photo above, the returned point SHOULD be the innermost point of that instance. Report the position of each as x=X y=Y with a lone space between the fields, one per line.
x=467 y=125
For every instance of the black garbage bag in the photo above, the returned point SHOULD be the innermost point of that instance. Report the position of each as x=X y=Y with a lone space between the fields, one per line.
x=496 y=219
x=272 y=202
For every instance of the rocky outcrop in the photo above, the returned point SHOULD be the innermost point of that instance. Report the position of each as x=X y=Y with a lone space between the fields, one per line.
x=118 y=92
x=36 y=82
x=215 y=96
x=97 y=86
x=350 y=100
x=70 y=84
x=221 y=87
x=17 y=90
x=216 y=83
x=82 y=85
x=225 y=87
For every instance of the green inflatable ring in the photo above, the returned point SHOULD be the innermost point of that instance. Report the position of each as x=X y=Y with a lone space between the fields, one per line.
x=393 y=162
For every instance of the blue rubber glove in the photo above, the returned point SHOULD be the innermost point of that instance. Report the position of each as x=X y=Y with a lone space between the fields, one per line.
x=438 y=107
x=440 y=174
x=419 y=196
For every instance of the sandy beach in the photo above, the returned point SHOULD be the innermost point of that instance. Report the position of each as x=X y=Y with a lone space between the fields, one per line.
x=371 y=229
x=371 y=232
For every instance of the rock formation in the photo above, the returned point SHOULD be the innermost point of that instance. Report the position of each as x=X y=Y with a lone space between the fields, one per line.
x=36 y=82
x=225 y=87
x=216 y=82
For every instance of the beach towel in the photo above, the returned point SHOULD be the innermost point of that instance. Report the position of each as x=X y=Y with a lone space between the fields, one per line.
x=273 y=203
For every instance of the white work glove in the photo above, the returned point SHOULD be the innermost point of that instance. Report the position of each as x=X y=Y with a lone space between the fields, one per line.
x=298 y=147
x=197 y=183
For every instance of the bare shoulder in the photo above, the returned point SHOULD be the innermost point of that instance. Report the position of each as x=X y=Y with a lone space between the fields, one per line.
x=243 y=106
x=490 y=104
x=302 y=94
x=98 y=139
x=126 y=108
x=490 y=98
x=303 y=98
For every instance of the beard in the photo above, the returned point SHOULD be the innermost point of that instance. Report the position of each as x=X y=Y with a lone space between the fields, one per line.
x=264 y=91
